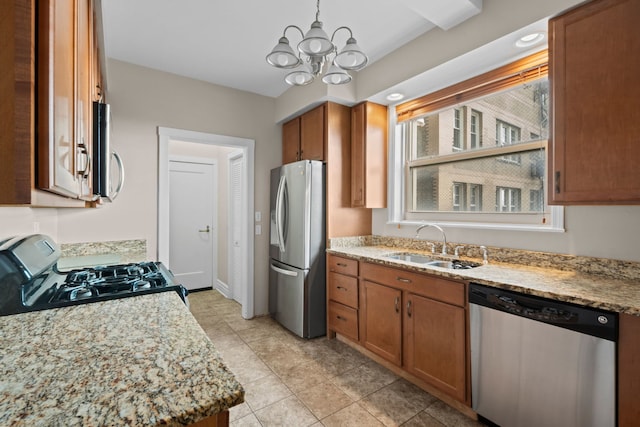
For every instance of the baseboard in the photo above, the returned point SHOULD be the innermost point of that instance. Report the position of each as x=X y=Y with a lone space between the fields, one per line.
x=223 y=288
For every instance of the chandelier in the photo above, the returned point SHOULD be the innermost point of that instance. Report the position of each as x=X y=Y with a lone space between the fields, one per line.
x=316 y=49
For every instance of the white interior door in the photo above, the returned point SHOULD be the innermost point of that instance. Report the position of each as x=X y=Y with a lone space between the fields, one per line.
x=236 y=221
x=192 y=221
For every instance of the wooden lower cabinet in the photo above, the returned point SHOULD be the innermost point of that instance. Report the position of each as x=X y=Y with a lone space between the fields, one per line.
x=381 y=320
x=219 y=420
x=434 y=343
x=629 y=371
x=417 y=322
x=343 y=320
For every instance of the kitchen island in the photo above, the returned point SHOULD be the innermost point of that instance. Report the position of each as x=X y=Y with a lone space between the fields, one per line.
x=140 y=361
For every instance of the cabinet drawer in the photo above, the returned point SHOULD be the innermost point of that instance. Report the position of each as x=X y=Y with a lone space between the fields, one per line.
x=343 y=289
x=343 y=265
x=343 y=320
x=440 y=289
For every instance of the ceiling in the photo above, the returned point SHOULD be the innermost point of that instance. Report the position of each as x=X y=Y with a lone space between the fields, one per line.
x=226 y=42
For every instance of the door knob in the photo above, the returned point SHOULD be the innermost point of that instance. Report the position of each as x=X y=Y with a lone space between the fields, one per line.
x=206 y=230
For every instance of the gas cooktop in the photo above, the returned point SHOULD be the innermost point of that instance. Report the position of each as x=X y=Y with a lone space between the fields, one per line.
x=30 y=279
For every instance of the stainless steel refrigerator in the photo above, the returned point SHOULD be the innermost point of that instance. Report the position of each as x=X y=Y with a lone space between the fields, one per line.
x=297 y=248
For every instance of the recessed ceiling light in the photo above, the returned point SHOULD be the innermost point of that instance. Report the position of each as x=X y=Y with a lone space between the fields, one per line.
x=530 y=39
x=395 y=96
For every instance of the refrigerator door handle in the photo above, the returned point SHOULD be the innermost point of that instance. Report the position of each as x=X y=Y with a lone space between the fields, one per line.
x=279 y=207
x=283 y=271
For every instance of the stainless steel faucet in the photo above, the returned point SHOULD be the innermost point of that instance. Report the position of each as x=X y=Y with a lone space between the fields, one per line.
x=485 y=258
x=444 y=237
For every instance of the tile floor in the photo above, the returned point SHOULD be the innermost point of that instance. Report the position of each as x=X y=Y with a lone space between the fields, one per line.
x=289 y=381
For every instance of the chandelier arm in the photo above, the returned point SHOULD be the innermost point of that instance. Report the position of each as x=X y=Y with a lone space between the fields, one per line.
x=341 y=28
x=284 y=33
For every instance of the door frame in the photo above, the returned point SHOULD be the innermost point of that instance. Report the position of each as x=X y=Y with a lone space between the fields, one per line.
x=248 y=148
x=214 y=214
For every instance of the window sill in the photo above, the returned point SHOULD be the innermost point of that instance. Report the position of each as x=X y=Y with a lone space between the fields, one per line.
x=484 y=226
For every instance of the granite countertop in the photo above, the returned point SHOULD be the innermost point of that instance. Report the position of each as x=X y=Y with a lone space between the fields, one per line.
x=140 y=361
x=604 y=292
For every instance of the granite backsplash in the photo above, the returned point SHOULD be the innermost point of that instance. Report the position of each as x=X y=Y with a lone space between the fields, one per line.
x=588 y=265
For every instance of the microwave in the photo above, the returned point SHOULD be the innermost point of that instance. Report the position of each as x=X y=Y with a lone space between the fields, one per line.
x=108 y=170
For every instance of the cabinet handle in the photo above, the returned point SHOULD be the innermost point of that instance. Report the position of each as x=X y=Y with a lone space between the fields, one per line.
x=342 y=288
x=403 y=280
x=409 y=308
x=340 y=264
x=341 y=318
x=83 y=150
x=557 y=182
x=397 y=304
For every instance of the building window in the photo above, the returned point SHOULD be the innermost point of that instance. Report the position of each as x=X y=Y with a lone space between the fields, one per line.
x=457 y=129
x=508 y=199
x=475 y=124
x=507 y=134
x=467 y=197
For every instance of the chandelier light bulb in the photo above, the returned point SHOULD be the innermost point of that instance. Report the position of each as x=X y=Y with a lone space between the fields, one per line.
x=315 y=46
x=282 y=60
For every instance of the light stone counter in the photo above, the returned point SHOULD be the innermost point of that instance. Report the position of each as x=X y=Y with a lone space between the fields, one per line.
x=598 y=291
x=139 y=361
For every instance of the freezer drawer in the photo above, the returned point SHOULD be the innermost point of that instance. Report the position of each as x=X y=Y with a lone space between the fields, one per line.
x=297 y=299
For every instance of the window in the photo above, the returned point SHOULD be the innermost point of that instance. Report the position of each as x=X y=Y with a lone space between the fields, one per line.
x=507 y=134
x=508 y=199
x=467 y=197
x=449 y=173
x=457 y=129
x=475 y=124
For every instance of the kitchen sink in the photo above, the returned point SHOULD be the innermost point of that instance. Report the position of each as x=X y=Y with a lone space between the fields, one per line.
x=416 y=258
x=455 y=264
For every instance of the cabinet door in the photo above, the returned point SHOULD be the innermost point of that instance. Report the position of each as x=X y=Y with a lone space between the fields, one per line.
x=628 y=370
x=369 y=155
x=434 y=344
x=56 y=146
x=595 y=119
x=381 y=320
x=291 y=141
x=312 y=134
x=358 y=133
x=84 y=106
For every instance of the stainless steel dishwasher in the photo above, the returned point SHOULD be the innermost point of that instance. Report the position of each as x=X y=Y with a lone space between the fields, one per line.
x=539 y=362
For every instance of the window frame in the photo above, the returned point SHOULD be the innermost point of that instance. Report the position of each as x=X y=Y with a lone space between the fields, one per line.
x=523 y=70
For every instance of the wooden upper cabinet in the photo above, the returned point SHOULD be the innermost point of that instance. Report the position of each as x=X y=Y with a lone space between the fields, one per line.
x=56 y=98
x=291 y=141
x=312 y=134
x=303 y=138
x=369 y=155
x=17 y=80
x=64 y=100
x=594 y=64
